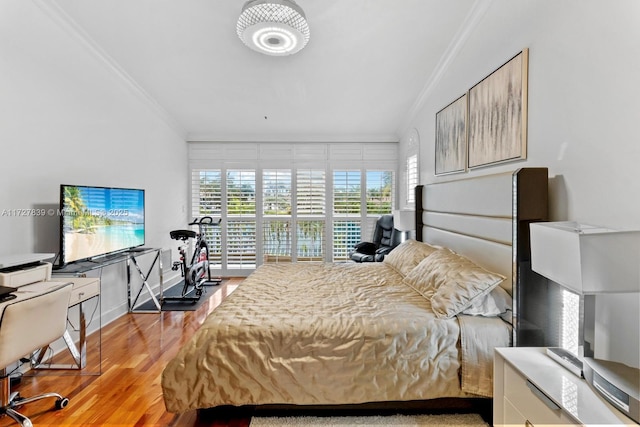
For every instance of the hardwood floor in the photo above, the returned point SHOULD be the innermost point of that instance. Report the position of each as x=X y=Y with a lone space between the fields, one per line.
x=135 y=349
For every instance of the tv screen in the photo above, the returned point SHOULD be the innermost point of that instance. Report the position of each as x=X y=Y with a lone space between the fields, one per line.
x=97 y=221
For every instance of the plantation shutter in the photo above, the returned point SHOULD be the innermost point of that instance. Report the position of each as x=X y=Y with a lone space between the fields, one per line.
x=241 y=222
x=276 y=207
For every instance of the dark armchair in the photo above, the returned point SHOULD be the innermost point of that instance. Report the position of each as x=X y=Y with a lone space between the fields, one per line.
x=385 y=238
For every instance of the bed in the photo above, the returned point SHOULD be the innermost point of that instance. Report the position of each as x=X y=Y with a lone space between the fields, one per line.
x=421 y=325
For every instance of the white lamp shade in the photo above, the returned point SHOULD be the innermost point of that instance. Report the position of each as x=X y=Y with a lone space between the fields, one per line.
x=586 y=259
x=404 y=220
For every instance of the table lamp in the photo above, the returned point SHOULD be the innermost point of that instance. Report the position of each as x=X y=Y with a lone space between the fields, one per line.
x=590 y=260
x=404 y=221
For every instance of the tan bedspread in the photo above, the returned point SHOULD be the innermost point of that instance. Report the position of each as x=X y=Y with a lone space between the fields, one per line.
x=318 y=334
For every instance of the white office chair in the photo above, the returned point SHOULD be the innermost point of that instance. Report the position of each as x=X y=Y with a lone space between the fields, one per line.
x=27 y=324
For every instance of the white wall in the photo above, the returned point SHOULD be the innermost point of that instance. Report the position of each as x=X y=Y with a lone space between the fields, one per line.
x=584 y=110
x=65 y=117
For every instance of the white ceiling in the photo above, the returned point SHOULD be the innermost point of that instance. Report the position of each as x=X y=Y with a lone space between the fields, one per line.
x=368 y=66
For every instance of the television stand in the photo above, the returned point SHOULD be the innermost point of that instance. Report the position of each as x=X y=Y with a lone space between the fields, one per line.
x=80 y=268
x=138 y=249
x=131 y=258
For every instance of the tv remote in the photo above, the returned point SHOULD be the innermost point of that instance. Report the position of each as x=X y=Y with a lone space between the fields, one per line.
x=566 y=359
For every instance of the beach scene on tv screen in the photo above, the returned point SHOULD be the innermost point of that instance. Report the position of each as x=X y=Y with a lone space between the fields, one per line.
x=99 y=220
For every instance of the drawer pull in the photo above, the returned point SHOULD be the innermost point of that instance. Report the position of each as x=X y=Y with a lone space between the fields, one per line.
x=527 y=423
x=545 y=399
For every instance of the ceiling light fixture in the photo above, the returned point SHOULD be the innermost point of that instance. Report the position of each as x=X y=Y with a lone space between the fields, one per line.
x=273 y=27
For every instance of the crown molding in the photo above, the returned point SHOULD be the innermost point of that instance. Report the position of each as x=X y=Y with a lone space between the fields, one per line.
x=204 y=137
x=470 y=22
x=57 y=14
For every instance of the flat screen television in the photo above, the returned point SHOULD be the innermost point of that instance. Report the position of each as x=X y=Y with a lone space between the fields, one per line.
x=98 y=221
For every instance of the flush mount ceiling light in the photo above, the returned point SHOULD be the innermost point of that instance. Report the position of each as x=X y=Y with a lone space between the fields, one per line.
x=273 y=27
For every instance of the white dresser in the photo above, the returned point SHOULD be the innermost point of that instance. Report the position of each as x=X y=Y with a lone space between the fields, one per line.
x=531 y=389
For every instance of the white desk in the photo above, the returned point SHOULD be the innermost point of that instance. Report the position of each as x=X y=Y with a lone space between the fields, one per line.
x=28 y=291
x=31 y=278
x=84 y=289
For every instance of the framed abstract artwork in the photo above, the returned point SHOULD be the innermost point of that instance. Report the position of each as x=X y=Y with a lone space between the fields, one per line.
x=498 y=115
x=451 y=137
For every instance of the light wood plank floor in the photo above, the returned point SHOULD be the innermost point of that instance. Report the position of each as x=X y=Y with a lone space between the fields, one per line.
x=135 y=349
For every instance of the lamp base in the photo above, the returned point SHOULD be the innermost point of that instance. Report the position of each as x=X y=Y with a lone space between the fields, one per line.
x=617 y=383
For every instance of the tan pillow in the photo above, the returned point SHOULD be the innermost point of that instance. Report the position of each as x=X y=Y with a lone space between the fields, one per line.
x=428 y=275
x=408 y=254
x=451 y=282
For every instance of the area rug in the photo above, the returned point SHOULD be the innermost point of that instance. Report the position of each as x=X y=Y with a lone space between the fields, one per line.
x=175 y=291
x=440 y=420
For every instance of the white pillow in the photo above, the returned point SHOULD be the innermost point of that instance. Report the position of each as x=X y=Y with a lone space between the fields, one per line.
x=495 y=303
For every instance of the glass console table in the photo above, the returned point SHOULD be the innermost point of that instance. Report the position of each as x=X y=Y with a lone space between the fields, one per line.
x=87 y=278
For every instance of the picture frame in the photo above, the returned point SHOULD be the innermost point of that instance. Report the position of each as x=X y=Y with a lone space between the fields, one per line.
x=498 y=115
x=451 y=138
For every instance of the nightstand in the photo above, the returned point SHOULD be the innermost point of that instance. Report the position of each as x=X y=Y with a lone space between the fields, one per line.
x=531 y=389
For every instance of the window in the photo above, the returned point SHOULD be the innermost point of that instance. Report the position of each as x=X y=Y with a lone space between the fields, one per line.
x=346 y=203
x=310 y=192
x=276 y=237
x=241 y=244
x=206 y=197
x=310 y=213
x=206 y=192
x=411 y=156
x=241 y=193
x=346 y=192
x=352 y=221
x=276 y=192
x=379 y=192
x=412 y=178
x=241 y=218
x=288 y=215
x=346 y=234
x=310 y=240
x=276 y=208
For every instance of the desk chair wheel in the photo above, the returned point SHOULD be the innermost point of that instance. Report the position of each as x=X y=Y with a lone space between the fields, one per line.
x=15 y=399
x=62 y=403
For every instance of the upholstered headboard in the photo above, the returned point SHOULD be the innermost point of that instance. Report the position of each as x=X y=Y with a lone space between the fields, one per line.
x=487 y=219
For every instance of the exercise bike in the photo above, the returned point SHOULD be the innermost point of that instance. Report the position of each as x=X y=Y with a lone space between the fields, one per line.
x=195 y=269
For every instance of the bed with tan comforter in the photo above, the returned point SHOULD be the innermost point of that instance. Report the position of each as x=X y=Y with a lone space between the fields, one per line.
x=343 y=333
